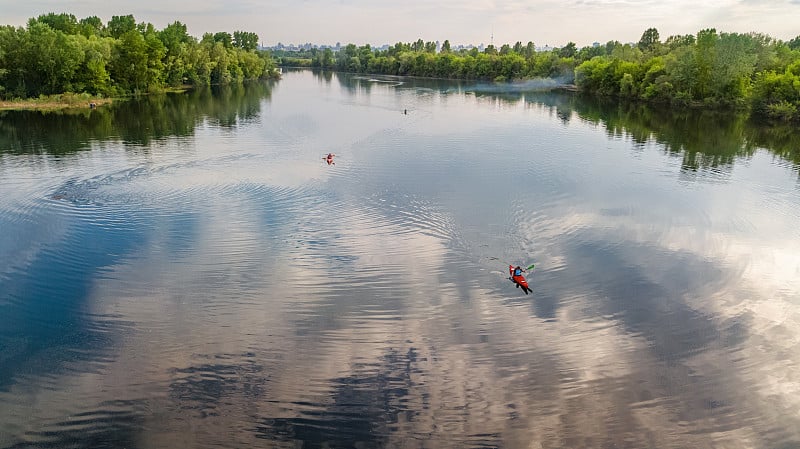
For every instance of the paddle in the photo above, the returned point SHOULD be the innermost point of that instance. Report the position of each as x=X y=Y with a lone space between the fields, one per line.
x=530 y=267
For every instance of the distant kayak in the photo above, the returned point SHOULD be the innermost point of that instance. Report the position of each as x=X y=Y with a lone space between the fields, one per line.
x=329 y=159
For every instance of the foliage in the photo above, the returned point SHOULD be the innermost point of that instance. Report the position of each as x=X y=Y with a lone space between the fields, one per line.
x=650 y=40
x=57 y=53
x=421 y=59
x=709 y=69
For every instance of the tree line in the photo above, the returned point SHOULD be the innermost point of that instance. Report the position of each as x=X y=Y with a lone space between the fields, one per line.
x=57 y=53
x=708 y=69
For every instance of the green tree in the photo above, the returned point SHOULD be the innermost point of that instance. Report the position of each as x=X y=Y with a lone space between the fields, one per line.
x=681 y=70
x=128 y=66
x=327 y=58
x=155 y=55
x=777 y=95
x=176 y=41
x=734 y=63
x=93 y=75
x=66 y=23
x=91 y=26
x=676 y=41
x=220 y=60
x=245 y=40
x=224 y=38
x=446 y=46
x=52 y=59
x=119 y=25
x=705 y=52
x=568 y=50
x=649 y=40
x=530 y=50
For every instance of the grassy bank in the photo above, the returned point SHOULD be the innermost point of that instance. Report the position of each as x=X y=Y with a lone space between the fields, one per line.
x=54 y=102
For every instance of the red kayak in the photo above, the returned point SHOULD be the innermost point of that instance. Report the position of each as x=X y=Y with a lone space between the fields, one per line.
x=518 y=279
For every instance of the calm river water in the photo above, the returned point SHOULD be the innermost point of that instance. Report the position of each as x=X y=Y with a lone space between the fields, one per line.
x=187 y=271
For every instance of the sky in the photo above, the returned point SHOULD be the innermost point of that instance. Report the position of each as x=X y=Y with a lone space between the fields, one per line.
x=377 y=22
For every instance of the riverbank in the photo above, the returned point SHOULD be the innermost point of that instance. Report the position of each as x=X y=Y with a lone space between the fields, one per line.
x=54 y=103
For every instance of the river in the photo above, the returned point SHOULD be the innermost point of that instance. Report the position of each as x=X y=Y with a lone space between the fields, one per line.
x=187 y=270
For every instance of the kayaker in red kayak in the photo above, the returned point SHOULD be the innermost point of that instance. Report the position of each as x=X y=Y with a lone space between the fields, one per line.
x=518 y=278
x=329 y=159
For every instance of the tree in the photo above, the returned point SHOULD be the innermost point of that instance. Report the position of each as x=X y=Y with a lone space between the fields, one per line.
x=119 y=25
x=66 y=23
x=173 y=35
x=128 y=65
x=649 y=40
x=568 y=50
x=530 y=50
x=91 y=25
x=50 y=60
x=93 y=76
x=705 y=52
x=224 y=38
x=681 y=70
x=734 y=63
x=327 y=58
x=220 y=60
x=445 y=46
x=245 y=40
x=673 y=42
x=590 y=51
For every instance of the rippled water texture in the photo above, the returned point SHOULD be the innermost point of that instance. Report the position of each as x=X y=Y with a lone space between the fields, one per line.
x=188 y=271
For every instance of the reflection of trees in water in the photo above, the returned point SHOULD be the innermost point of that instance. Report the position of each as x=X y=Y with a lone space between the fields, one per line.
x=703 y=139
x=362 y=410
x=783 y=141
x=136 y=121
x=204 y=388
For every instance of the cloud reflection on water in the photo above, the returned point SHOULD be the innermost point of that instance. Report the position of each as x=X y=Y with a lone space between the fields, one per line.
x=349 y=306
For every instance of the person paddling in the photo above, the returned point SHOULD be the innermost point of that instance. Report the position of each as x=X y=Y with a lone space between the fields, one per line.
x=329 y=159
x=517 y=278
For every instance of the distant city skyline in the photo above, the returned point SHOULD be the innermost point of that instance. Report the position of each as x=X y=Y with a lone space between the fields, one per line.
x=466 y=22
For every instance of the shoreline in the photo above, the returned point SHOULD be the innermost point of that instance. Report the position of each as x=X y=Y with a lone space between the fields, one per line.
x=54 y=103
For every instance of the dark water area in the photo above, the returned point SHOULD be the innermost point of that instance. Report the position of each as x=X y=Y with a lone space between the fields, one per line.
x=187 y=270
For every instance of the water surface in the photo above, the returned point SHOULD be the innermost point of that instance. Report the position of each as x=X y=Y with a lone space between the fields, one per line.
x=187 y=271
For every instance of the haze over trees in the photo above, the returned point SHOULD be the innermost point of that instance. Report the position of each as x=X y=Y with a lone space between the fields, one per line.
x=57 y=53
